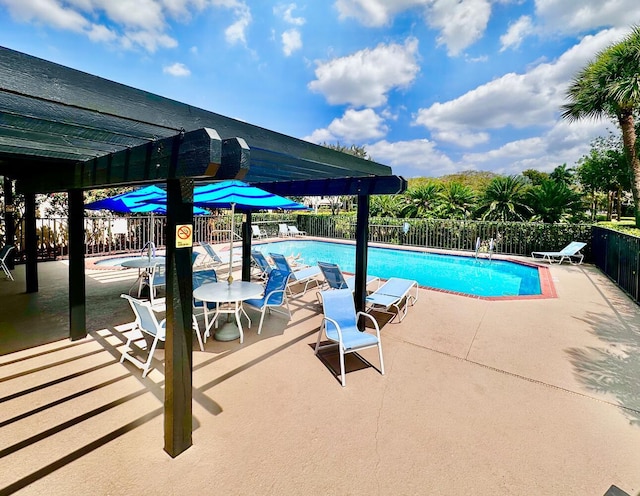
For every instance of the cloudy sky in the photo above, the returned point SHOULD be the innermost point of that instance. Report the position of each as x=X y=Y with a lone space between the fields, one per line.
x=429 y=87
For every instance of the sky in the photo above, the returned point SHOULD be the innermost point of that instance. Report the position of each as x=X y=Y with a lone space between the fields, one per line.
x=428 y=87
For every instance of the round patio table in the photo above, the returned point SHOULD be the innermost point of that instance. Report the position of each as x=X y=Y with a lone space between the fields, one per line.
x=229 y=298
x=143 y=264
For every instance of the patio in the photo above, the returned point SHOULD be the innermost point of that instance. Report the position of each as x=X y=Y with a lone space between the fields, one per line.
x=479 y=397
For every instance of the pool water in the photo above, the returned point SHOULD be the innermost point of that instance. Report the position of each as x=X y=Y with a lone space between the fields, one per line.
x=115 y=261
x=461 y=274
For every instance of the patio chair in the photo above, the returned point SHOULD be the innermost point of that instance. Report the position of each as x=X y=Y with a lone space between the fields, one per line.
x=4 y=254
x=156 y=277
x=275 y=296
x=340 y=325
x=261 y=263
x=199 y=278
x=256 y=232
x=569 y=252
x=392 y=294
x=283 y=230
x=293 y=231
x=305 y=275
x=221 y=258
x=336 y=280
x=146 y=323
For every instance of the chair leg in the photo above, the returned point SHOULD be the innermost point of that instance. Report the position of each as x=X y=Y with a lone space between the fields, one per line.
x=318 y=342
x=196 y=328
x=381 y=360
x=343 y=379
x=147 y=364
x=263 y=312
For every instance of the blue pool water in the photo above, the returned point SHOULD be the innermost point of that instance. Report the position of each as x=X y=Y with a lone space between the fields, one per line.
x=478 y=277
x=114 y=262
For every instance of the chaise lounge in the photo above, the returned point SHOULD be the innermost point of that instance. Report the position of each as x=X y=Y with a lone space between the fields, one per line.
x=571 y=252
x=392 y=294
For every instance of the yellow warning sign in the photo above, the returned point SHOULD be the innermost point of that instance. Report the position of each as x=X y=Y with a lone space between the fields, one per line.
x=184 y=236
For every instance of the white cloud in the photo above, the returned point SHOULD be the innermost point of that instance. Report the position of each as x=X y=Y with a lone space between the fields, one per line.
x=354 y=126
x=132 y=23
x=575 y=17
x=420 y=157
x=517 y=31
x=291 y=41
x=461 y=22
x=365 y=77
x=515 y=100
x=178 y=69
x=236 y=32
x=286 y=12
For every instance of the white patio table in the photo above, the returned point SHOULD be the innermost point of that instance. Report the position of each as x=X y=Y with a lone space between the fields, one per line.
x=229 y=298
x=143 y=264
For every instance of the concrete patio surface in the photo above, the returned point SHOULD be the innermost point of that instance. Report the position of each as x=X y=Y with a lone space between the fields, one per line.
x=522 y=397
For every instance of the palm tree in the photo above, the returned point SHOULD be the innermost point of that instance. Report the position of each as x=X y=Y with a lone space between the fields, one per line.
x=609 y=86
x=386 y=206
x=554 y=201
x=457 y=201
x=505 y=200
x=422 y=200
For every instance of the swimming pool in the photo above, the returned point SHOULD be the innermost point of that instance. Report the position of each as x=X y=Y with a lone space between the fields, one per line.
x=460 y=274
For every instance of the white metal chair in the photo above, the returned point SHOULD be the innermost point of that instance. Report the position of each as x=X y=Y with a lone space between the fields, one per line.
x=395 y=293
x=340 y=325
x=4 y=254
x=201 y=277
x=156 y=278
x=275 y=296
x=146 y=323
x=283 y=230
x=569 y=252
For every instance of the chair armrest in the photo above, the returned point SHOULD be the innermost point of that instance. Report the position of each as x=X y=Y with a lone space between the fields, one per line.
x=372 y=318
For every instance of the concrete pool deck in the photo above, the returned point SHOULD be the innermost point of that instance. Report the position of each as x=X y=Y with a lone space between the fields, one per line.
x=479 y=397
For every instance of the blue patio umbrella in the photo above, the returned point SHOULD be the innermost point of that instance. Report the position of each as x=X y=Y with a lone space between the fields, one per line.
x=142 y=200
x=232 y=194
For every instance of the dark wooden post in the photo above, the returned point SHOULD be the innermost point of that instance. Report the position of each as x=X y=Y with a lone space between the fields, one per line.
x=77 y=305
x=31 y=242
x=179 y=340
x=9 y=223
x=246 y=247
x=362 y=239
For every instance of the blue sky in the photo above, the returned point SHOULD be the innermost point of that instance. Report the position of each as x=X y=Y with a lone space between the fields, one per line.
x=429 y=87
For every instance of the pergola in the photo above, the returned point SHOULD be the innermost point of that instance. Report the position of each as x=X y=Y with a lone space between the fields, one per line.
x=62 y=130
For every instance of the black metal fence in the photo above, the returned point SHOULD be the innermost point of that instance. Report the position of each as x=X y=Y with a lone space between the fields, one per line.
x=618 y=256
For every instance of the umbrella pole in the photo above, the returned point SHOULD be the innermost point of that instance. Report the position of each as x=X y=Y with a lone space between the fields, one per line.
x=233 y=211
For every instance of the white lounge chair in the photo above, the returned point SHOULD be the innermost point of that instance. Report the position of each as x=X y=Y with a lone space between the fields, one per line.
x=395 y=293
x=220 y=258
x=340 y=325
x=293 y=231
x=256 y=232
x=569 y=252
x=306 y=275
x=283 y=230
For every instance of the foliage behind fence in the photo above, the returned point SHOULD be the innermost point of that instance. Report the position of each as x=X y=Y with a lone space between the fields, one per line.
x=513 y=238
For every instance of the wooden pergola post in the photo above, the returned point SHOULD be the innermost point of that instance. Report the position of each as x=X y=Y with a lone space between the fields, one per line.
x=77 y=305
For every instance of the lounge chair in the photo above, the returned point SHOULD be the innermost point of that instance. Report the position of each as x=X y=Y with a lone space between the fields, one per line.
x=256 y=232
x=336 y=280
x=275 y=296
x=305 y=275
x=340 y=325
x=293 y=231
x=146 y=323
x=392 y=294
x=221 y=258
x=261 y=263
x=569 y=252
x=4 y=254
x=283 y=230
